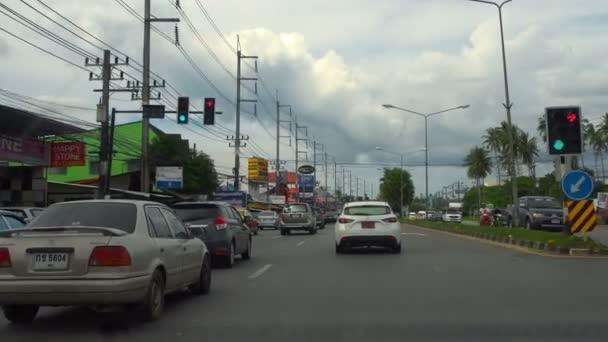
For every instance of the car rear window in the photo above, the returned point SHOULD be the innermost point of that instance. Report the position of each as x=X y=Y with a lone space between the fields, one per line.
x=121 y=216
x=367 y=210
x=296 y=208
x=195 y=211
x=266 y=214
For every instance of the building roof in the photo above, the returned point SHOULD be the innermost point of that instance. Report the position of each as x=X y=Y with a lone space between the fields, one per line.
x=14 y=120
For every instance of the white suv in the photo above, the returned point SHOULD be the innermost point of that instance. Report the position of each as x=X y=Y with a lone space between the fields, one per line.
x=451 y=215
x=367 y=224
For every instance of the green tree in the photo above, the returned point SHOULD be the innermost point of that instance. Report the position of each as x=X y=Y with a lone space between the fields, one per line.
x=479 y=166
x=390 y=188
x=492 y=140
x=199 y=172
x=528 y=151
x=541 y=128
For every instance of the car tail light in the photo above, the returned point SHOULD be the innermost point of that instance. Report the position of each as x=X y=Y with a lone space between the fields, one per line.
x=5 y=257
x=344 y=220
x=110 y=256
x=220 y=223
x=390 y=220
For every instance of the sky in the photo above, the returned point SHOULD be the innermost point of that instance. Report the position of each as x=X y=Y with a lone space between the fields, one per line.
x=335 y=63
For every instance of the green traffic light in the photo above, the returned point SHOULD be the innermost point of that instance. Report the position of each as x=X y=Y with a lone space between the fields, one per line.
x=558 y=145
x=182 y=118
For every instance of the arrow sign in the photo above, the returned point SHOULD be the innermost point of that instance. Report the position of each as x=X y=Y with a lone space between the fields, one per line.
x=571 y=117
x=577 y=185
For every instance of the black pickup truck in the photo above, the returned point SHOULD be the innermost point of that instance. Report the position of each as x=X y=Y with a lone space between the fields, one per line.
x=539 y=212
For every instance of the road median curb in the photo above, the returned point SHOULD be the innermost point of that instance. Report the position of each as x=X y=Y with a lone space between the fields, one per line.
x=531 y=247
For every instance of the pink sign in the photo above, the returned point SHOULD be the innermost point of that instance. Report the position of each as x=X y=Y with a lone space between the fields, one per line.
x=24 y=150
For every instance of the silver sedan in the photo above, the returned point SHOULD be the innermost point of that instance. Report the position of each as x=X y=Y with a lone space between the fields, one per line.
x=100 y=253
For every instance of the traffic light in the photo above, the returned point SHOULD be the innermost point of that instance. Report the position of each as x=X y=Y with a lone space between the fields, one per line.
x=183 y=103
x=209 y=118
x=564 y=130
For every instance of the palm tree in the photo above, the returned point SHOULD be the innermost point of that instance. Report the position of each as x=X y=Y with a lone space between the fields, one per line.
x=528 y=151
x=541 y=129
x=492 y=141
x=479 y=166
x=590 y=135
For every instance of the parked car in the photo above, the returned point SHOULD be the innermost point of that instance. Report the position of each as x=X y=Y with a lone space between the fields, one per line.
x=539 y=212
x=319 y=218
x=412 y=216
x=452 y=215
x=436 y=216
x=368 y=224
x=11 y=220
x=220 y=226
x=421 y=215
x=331 y=216
x=268 y=219
x=297 y=216
x=248 y=218
x=100 y=253
x=27 y=213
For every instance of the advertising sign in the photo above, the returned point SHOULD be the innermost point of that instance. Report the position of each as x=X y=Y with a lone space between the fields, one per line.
x=257 y=169
x=306 y=169
x=23 y=150
x=277 y=199
x=306 y=183
x=237 y=199
x=602 y=200
x=68 y=154
x=169 y=177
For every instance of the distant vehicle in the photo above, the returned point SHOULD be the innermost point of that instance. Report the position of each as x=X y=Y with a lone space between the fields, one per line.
x=537 y=212
x=412 y=216
x=220 y=226
x=331 y=216
x=26 y=213
x=248 y=218
x=368 y=224
x=319 y=218
x=429 y=214
x=421 y=215
x=268 y=219
x=298 y=216
x=11 y=220
x=100 y=253
x=436 y=216
x=452 y=215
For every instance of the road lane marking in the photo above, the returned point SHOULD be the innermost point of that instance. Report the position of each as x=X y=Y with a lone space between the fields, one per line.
x=260 y=271
x=417 y=234
x=276 y=237
x=300 y=243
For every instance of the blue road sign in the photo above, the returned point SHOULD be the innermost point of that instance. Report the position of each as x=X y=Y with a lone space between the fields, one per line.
x=577 y=185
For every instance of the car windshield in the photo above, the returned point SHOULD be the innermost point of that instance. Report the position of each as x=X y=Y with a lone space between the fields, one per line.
x=544 y=203
x=296 y=208
x=121 y=216
x=196 y=212
x=367 y=210
x=452 y=212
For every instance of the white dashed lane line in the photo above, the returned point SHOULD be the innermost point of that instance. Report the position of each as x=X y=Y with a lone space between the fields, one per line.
x=260 y=271
x=300 y=243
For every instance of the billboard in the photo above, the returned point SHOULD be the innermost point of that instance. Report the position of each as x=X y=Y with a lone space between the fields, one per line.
x=306 y=183
x=169 y=177
x=23 y=150
x=237 y=199
x=257 y=169
x=68 y=154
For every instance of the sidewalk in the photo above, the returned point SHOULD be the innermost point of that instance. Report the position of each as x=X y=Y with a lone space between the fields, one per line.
x=600 y=235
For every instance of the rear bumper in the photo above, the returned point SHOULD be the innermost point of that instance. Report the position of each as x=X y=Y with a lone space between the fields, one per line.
x=218 y=247
x=371 y=240
x=73 y=292
x=297 y=226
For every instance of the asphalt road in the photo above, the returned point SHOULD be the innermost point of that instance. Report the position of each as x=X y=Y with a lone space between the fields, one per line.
x=296 y=288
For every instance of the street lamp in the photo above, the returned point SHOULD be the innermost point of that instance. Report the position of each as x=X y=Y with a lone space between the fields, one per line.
x=508 y=105
x=426 y=141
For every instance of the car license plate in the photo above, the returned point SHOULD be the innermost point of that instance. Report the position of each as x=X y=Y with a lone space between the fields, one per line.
x=368 y=225
x=50 y=261
x=555 y=221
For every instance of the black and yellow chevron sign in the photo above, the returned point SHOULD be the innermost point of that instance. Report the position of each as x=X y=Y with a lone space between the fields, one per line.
x=581 y=216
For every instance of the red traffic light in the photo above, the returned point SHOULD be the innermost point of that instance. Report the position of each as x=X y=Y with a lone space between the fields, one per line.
x=571 y=117
x=210 y=103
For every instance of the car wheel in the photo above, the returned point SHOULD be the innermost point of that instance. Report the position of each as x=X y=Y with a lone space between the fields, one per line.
x=396 y=249
x=229 y=261
x=312 y=231
x=528 y=224
x=203 y=284
x=247 y=254
x=20 y=314
x=154 y=302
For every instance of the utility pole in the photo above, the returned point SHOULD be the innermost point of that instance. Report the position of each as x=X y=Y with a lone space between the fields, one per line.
x=343 y=182
x=364 y=187
x=279 y=121
x=335 y=178
x=357 y=186
x=298 y=127
x=103 y=115
x=238 y=138
x=145 y=96
x=326 y=187
x=350 y=181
